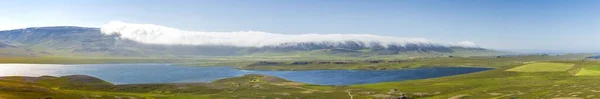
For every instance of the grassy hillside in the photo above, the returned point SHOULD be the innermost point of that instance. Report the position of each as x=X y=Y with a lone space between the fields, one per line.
x=501 y=83
x=498 y=83
x=248 y=86
x=542 y=67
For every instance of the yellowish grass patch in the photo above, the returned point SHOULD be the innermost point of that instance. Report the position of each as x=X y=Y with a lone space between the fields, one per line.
x=589 y=71
x=542 y=67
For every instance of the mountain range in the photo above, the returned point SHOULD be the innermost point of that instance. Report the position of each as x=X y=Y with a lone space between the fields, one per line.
x=594 y=57
x=85 y=41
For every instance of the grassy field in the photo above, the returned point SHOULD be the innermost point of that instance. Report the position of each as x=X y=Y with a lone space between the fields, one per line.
x=487 y=62
x=542 y=67
x=493 y=84
x=500 y=83
x=245 y=61
x=589 y=71
x=248 y=86
x=570 y=78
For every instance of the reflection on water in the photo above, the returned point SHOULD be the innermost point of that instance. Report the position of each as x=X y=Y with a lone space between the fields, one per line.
x=31 y=69
x=165 y=73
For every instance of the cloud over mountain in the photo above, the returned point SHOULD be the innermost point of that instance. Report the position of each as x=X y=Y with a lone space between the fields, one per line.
x=155 y=34
x=465 y=44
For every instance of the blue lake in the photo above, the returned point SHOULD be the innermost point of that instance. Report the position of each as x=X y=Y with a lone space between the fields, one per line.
x=165 y=73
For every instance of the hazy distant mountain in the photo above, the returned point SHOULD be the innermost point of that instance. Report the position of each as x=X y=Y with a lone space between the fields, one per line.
x=594 y=57
x=83 y=41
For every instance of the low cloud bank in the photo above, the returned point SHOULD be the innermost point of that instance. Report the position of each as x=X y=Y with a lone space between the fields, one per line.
x=155 y=34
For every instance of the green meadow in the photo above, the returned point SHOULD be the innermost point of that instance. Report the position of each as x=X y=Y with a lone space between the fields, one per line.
x=502 y=83
x=387 y=64
x=542 y=67
x=513 y=77
x=589 y=71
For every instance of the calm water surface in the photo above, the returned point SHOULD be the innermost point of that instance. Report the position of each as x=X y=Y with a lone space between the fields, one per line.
x=165 y=73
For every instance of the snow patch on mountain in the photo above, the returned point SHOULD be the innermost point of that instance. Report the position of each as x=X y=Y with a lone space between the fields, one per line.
x=466 y=44
x=155 y=34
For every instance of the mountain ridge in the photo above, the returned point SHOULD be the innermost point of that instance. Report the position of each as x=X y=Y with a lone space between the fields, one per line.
x=86 y=41
x=156 y=34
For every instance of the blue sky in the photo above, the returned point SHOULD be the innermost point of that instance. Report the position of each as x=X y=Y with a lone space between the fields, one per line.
x=515 y=25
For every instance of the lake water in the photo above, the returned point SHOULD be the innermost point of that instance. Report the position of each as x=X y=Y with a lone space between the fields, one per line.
x=165 y=73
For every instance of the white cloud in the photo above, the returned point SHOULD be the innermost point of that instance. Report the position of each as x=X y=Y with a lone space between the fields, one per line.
x=465 y=44
x=155 y=34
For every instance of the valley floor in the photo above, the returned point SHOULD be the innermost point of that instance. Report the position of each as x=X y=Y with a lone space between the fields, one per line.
x=532 y=77
x=498 y=83
x=383 y=64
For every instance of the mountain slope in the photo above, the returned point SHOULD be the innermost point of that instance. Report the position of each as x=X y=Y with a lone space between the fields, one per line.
x=80 y=41
x=92 y=42
x=594 y=57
